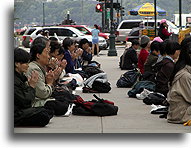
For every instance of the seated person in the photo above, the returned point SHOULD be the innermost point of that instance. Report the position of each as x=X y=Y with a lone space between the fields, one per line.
x=129 y=58
x=165 y=67
x=24 y=94
x=179 y=96
x=57 y=54
x=40 y=57
x=71 y=54
x=144 y=53
x=87 y=52
x=153 y=56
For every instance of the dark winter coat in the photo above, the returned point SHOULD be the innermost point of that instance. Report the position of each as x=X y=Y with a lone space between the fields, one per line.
x=164 y=71
x=23 y=98
x=151 y=60
x=129 y=59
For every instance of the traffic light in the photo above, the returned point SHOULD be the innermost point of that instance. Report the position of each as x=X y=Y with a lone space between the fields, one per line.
x=122 y=11
x=99 y=7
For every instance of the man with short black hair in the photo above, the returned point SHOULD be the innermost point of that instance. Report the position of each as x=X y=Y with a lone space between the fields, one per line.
x=128 y=60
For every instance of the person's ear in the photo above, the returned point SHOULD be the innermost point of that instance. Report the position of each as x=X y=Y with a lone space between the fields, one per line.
x=37 y=55
x=17 y=64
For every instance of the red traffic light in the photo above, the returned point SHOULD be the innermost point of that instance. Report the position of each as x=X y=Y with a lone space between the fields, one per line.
x=99 y=8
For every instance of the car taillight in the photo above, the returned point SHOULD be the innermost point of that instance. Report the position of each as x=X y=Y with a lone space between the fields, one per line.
x=24 y=37
x=31 y=40
x=126 y=38
x=117 y=33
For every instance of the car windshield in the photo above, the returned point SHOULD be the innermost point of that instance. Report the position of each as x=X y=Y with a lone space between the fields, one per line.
x=83 y=30
x=90 y=29
x=78 y=31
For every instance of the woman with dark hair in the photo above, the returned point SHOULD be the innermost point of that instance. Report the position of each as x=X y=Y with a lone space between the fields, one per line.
x=87 y=52
x=163 y=30
x=40 y=57
x=165 y=67
x=179 y=96
x=57 y=55
x=24 y=94
x=71 y=54
x=95 y=39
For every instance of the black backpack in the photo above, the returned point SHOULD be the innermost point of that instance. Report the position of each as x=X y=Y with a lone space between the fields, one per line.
x=97 y=87
x=101 y=87
x=99 y=107
x=91 y=70
x=128 y=79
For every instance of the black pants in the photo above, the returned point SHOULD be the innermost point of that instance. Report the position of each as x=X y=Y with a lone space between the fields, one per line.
x=40 y=119
x=58 y=107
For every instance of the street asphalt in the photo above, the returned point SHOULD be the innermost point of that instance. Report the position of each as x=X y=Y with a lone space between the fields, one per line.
x=133 y=115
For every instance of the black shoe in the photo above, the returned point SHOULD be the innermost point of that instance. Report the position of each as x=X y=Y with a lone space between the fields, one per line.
x=163 y=116
x=160 y=111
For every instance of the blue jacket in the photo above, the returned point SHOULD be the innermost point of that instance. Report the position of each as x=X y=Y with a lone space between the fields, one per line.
x=70 y=63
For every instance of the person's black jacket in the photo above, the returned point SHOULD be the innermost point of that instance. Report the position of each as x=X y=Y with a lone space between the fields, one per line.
x=23 y=97
x=164 y=71
x=129 y=59
x=86 y=56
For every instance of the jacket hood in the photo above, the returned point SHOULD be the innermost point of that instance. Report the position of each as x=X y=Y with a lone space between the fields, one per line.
x=181 y=73
x=161 y=63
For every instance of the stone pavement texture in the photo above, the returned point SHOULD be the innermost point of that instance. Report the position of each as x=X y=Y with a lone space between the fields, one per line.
x=133 y=115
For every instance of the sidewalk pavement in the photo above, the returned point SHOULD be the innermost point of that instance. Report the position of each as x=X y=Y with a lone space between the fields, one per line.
x=133 y=115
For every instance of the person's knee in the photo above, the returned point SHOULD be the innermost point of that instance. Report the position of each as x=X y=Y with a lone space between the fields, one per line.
x=45 y=119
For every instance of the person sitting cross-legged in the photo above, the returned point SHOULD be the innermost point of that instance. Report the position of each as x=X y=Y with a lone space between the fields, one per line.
x=24 y=94
x=129 y=58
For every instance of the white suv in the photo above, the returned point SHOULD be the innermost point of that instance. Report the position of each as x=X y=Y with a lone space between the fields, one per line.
x=63 y=32
x=126 y=26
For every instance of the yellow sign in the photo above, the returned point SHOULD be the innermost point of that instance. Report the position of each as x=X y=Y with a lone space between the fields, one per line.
x=149 y=32
x=147 y=10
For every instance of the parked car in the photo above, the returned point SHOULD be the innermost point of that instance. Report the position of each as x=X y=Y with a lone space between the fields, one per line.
x=126 y=26
x=27 y=39
x=87 y=31
x=133 y=34
x=62 y=33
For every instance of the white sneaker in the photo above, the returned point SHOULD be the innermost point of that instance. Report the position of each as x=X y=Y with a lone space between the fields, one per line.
x=69 y=112
x=143 y=94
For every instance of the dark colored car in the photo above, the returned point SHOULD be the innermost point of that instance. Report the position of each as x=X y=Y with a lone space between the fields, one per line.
x=133 y=34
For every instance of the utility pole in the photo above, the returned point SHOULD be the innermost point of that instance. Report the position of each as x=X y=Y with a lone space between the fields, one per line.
x=155 y=17
x=43 y=15
x=180 y=14
x=121 y=14
x=117 y=14
x=103 y=18
x=82 y=17
x=112 y=50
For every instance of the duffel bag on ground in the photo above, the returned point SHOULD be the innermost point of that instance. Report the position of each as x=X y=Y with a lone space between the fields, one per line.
x=99 y=107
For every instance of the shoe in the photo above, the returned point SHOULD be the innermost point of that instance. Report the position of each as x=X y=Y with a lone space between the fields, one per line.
x=163 y=116
x=143 y=94
x=162 y=110
x=69 y=112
